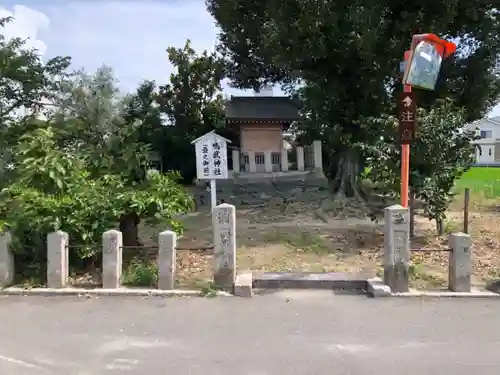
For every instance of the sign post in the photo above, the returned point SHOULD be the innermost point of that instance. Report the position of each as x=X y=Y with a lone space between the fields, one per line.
x=211 y=161
x=421 y=69
x=407 y=114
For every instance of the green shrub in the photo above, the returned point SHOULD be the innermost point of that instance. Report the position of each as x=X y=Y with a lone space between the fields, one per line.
x=140 y=273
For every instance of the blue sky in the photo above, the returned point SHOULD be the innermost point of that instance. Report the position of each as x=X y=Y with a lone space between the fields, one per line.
x=130 y=36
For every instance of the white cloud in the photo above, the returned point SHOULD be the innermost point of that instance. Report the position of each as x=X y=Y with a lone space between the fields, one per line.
x=26 y=24
x=130 y=36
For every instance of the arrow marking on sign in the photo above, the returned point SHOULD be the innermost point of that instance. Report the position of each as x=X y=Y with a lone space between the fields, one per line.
x=407 y=101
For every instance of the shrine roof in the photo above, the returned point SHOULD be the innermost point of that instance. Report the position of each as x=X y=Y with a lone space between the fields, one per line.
x=268 y=108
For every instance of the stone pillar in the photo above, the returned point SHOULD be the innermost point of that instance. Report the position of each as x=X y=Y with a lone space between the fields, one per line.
x=268 y=161
x=6 y=260
x=57 y=259
x=236 y=161
x=460 y=262
x=251 y=161
x=224 y=221
x=318 y=157
x=284 y=160
x=396 y=248
x=167 y=242
x=300 y=158
x=112 y=243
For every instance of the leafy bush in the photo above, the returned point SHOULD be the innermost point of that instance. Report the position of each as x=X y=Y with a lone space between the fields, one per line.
x=442 y=151
x=53 y=190
x=140 y=273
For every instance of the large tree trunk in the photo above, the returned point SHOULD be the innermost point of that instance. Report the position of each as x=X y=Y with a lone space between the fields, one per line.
x=344 y=174
x=129 y=226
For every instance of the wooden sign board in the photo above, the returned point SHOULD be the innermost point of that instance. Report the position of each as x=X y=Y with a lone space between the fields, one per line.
x=211 y=157
x=407 y=116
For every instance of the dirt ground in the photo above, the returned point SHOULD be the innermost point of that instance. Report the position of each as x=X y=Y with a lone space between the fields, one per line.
x=269 y=240
x=296 y=237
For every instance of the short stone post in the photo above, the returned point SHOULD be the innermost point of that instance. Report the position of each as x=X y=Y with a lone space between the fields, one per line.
x=224 y=221
x=112 y=243
x=284 y=159
x=300 y=158
x=57 y=259
x=268 y=161
x=396 y=248
x=318 y=156
x=460 y=262
x=167 y=242
x=236 y=161
x=6 y=260
x=252 y=167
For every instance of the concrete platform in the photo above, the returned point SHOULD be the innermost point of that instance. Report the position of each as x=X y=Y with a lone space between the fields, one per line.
x=309 y=280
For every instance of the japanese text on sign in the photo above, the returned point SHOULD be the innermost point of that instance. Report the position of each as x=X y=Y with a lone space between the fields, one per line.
x=205 y=162
x=216 y=158
x=211 y=157
x=407 y=110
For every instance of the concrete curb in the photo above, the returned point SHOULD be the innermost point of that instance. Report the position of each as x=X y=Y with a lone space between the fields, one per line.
x=376 y=288
x=13 y=291
x=243 y=284
x=474 y=293
x=308 y=280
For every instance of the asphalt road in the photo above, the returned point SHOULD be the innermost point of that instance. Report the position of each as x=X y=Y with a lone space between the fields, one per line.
x=282 y=333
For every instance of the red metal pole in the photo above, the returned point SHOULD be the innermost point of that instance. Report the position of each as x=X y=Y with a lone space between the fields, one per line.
x=405 y=156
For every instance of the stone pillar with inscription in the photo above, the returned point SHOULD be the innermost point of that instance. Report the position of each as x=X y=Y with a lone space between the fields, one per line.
x=57 y=259
x=396 y=248
x=224 y=226
x=167 y=242
x=460 y=266
x=112 y=242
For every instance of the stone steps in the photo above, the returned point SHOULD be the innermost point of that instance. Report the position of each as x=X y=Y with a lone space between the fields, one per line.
x=309 y=280
x=259 y=192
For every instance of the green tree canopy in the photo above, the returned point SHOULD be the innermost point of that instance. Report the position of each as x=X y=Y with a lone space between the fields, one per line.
x=27 y=86
x=441 y=153
x=342 y=59
x=192 y=104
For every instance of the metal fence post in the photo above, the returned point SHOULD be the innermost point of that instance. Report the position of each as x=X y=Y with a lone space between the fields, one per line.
x=466 y=210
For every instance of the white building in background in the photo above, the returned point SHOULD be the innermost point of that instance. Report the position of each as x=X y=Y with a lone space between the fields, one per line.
x=488 y=152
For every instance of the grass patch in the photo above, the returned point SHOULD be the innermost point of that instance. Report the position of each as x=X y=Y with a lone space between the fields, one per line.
x=140 y=273
x=209 y=289
x=451 y=226
x=480 y=180
x=423 y=277
x=305 y=241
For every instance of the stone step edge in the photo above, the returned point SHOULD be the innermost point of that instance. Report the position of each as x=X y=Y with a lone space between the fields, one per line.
x=308 y=280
